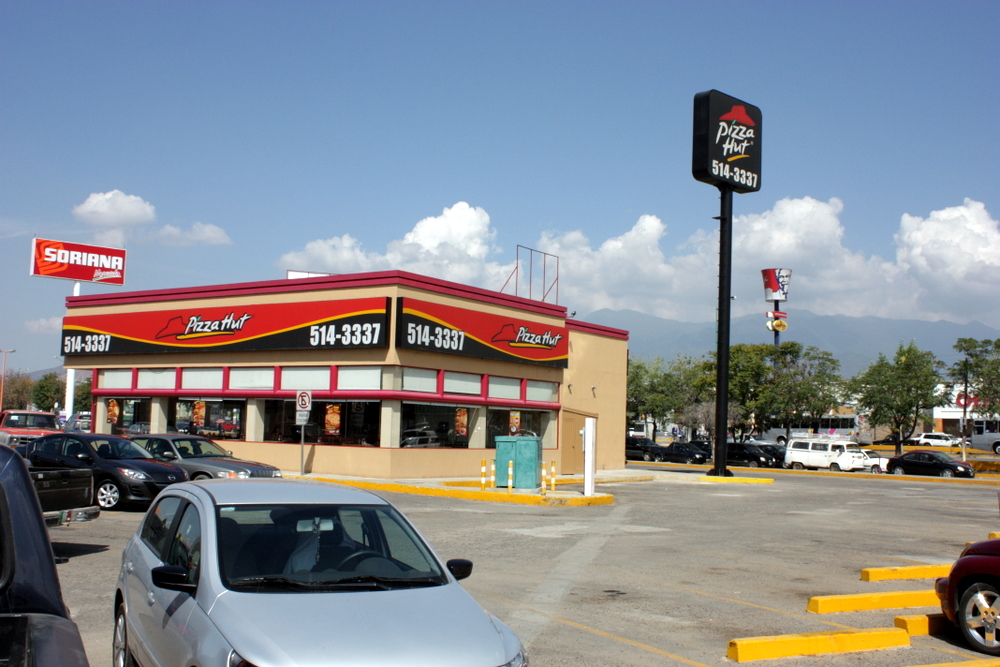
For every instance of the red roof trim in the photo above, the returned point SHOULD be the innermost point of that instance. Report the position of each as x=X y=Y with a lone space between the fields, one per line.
x=597 y=329
x=401 y=278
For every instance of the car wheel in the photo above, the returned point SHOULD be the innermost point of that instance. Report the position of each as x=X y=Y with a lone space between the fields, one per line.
x=898 y=470
x=876 y=470
x=996 y=448
x=947 y=472
x=781 y=440
x=752 y=464
x=109 y=496
x=834 y=467
x=689 y=461
x=658 y=458
x=978 y=612
x=646 y=456
x=798 y=466
x=120 y=655
x=201 y=475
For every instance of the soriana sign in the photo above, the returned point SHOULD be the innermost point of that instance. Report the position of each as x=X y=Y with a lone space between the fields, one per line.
x=316 y=325
x=75 y=261
x=434 y=327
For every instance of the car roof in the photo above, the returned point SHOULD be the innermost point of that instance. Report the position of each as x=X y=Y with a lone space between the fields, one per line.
x=278 y=491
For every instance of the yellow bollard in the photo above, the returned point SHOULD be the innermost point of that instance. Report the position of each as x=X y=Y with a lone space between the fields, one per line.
x=510 y=475
x=543 y=478
x=482 y=475
x=552 y=475
x=493 y=474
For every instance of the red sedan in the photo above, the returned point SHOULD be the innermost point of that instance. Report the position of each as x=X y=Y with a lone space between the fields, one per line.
x=970 y=595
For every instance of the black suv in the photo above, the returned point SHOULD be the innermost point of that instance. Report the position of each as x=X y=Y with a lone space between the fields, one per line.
x=123 y=471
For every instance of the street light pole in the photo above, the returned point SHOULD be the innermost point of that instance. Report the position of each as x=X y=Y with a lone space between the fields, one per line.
x=3 y=374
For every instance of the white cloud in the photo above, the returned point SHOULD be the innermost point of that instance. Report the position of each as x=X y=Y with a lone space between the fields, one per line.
x=45 y=325
x=199 y=234
x=115 y=210
x=947 y=265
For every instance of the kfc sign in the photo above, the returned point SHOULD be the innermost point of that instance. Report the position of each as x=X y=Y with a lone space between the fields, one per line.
x=75 y=261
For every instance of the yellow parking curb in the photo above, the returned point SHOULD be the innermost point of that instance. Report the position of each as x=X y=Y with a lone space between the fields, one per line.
x=923 y=624
x=905 y=572
x=737 y=480
x=828 y=604
x=550 y=499
x=983 y=662
x=815 y=643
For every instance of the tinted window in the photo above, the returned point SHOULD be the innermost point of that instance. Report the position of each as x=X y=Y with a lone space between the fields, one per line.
x=156 y=527
x=800 y=445
x=185 y=549
x=820 y=447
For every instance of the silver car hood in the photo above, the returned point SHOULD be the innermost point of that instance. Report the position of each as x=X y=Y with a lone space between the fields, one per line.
x=438 y=626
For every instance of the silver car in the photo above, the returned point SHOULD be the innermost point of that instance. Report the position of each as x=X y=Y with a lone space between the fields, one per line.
x=276 y=573
x=201 y=458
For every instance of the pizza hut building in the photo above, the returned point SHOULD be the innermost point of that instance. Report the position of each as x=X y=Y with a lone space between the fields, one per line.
x=409 y=376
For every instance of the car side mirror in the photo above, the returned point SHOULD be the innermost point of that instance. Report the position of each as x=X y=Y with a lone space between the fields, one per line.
x=229 y=453
x=172 y=578
x=168 y=455
x=460 y=568
x=85 y=457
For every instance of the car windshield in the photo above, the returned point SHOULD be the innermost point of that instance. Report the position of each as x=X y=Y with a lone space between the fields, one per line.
x=305 y=548
x=192 y=448
x=119 y=448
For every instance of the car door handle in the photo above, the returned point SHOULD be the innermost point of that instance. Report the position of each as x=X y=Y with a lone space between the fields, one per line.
x=150 y=598
x=129 y=567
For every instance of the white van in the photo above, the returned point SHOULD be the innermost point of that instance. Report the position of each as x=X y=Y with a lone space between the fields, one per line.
x=816 y=453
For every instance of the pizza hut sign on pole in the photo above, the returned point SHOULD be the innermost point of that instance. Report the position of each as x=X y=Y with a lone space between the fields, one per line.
x=725 y=153
x=75 y=261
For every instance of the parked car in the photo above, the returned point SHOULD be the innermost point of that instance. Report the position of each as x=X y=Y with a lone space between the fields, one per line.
x=137 y=428
x=929 y=462
x=703 y=445
x=892 y=439
x=970 y=595
x=123 y=471
x=78 y=422
x=270 y=572
x=35 y=625
x=775 y=450
x=933 y=440
x=419 y=438
x=680 y=452
x=817 y=452
x=201 y=458
x=875 y=462
x=749 y=455
x=641 y=448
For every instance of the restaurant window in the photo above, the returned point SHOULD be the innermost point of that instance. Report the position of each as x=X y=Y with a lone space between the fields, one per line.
x=509 y=388
x=251 y=378
x=435 y=425
x=210 y=417
x=547 y=392
x=359 y=378
x=519 y=422
x=463 y=383
x=115 y=378
x=201 y=378
x=420 y=379
x=156 y=378
x=330 y=422
x=294 y=378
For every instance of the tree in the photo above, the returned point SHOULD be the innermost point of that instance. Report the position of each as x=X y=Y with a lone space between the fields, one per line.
x=803 y=381
x=81 y=395
x=48 y=391
x=17 y=390
x=977 y=375
x=897 y=393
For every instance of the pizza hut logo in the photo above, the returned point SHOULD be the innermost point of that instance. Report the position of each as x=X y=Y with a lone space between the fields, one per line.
x=522 y=336
x=736 y=133
x=196 y=326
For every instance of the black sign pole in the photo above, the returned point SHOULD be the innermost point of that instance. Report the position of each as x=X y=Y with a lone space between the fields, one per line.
x=722 y=338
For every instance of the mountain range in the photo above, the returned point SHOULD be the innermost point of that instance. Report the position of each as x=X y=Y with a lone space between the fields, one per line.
x=854 y=341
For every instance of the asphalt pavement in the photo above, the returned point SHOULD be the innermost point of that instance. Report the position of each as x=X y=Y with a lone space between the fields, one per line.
x=668 y=573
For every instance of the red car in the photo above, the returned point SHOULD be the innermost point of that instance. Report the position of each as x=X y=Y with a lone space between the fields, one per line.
x=970 y=595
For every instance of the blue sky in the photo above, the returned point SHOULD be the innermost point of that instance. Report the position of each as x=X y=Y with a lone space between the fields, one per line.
x=229 y=141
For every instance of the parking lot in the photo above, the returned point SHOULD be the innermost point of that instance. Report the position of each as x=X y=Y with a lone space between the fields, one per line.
x=668 y=574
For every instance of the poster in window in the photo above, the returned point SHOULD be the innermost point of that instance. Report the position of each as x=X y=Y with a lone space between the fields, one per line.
x=515 y=421
x=332 y=424
x=462 y=421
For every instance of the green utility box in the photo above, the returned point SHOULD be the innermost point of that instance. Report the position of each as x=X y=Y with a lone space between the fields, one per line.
x=526 y=453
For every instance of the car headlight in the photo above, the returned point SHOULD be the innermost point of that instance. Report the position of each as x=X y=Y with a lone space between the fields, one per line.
x=134 y=474
x=228 y=474
x=519 y=660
